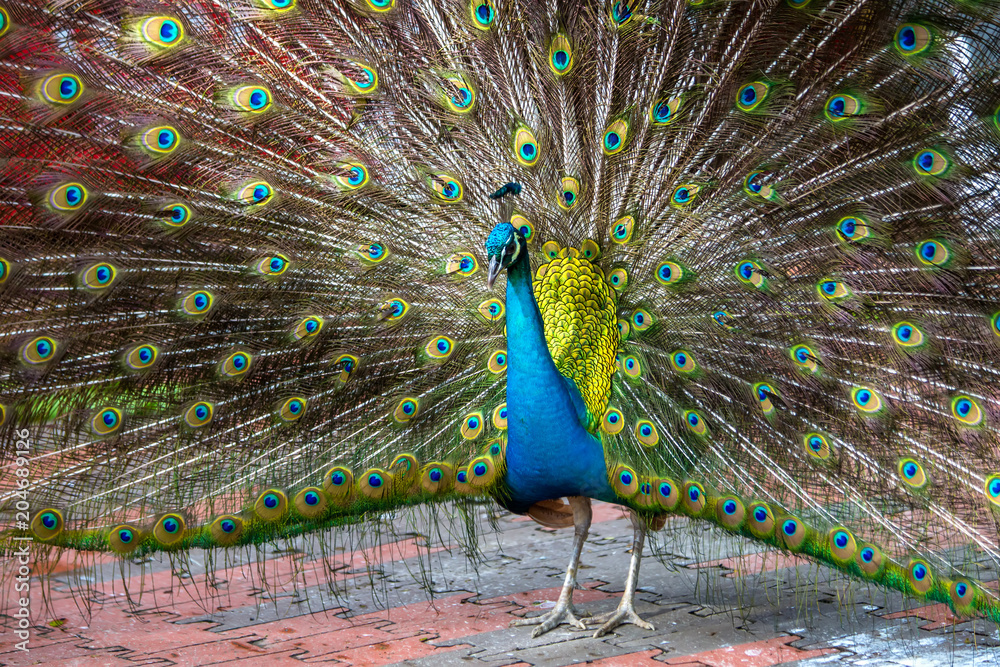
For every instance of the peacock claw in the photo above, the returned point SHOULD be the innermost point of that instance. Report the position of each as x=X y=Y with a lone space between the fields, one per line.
x=625 y=613
x=563 y=613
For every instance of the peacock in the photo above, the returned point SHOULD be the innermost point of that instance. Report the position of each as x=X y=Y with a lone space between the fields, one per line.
x=273 y=267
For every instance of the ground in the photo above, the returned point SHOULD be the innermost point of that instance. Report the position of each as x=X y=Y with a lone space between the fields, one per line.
x=714 y=601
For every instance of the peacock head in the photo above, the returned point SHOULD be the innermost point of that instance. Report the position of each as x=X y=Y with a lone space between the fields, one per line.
x=504 y=246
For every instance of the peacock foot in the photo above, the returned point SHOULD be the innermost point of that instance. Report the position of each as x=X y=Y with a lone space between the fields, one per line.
x=625 y=613
x=562 y=613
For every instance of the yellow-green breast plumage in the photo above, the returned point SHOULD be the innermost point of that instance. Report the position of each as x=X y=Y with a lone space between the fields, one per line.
x=578 y=309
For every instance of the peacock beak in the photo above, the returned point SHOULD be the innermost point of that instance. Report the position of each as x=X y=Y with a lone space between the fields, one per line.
x=494 y=269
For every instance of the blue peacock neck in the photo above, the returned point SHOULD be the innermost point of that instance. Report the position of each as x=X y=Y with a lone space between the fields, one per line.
x=549 y=453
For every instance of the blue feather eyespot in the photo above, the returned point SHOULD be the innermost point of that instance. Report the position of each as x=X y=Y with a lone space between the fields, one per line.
x=292 y=409
x=589 y=249
x=842 y=107
x=338 y=482
x=46 y=524
x=992 y=488
x=866 y=400
x=805 y=357
x=919 y=575
x=373 y=252
x=462 y=264
x=752 y=95
x=631 y=367
x=616 y=137
x=61 y=88
x=483 y=13
x=621 y=13
x=97 y=277
x=669 y=273
x=256 y=193
x=348 y=364
x=235 y=365
x=271 y=505
x=730 y=512
x=308 y=327
x=619 y=279
x=497 y=450
x=311 y=502
x=754 y=186
x=4 y=21
x=525 y=146
x=664 y=110
x=436 y=477
x=963 y=595
x=492 y=310
x=912 y=39
x=560 y=55
x=641 y=320
x=723 y=319
x=666 y=493
x=933 y=253
x=68 y=197
x=694 y=499
x=853 y=228
x=360 y=79
x=169 y=530
x=199 y=414
x=497 y=362
x=106 y=421
x=833 y=290
x=523 y=225
x=684 y=195
x=624 y=481
x=124 y=539
x=175 y=215
x=141 y=357
x=751 y=273
x=4 y=270
x=683 y=361
x=995 y=323
x=393 y=310
x=162 y=31
x=272 y=266
x=439 y=347
x=929 y=162
x=645 y=433
x=458 y=93
x=908 y=335
x=613 y=421
x=380 y=5
x=446 y=188
x=351 y=176
x=252 y=99
x=869 y=559
x=799 y=4
x=472 y=425
x=277 y=5
x=765 y=393
x=817 y=446
x=569 y=194
x=760 y=520
x=482 y=472
x=967 y=411
x=500 y=417
x=695 y=423
x=843 y=546
x=406 y=409
x=160 y=140
x=624 y=330
x=912 y=474
x=39 y=350
x=793 y=532
x=621 y=230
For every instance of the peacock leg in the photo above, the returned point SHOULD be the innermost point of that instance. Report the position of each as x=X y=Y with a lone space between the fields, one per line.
x=564 y=611
x=625 y=613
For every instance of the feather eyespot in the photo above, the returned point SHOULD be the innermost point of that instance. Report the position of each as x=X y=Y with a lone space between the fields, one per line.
x=491 y=310
x=252 y=99
x=525 y=147
x=912 y=39
x=372 y=253
x=730 y=512
x=624 y=481
x=461 y=263
x=919 y=575
x=760 y=520
x=292 y=409
x=751 y=273
x=817 y=446
x=68 y=197
x=446 y=188
x=124 y=539
x=930 y=162
x=393 y=310
x=793 y=532
x=645 y=433
x=199 y=414
x=833 y=290
x=992 y=488
x=338 y=482
x=39 y=350
x=47 y=524
x=866 y=400
x=869 y=559
x=523 y=225
x=912 y=474
x=380 y=5
x=765 y=394
x=308 y=327
x=755 y=186
x=235 y=365
x=560 y=55
x=160 y=140
x=97 y=277
x=472 y=426
x=162 y=31
x=352 y=176
x=842 y=544
x=684 y=195
x=257 y=193
x=277 y=5
x=439 y=348
x=723 y=319
x=271 y=505
x=805 y=357
x=497 y=362
x=106 y=421
x=695 y=423
x=963 y=594
x=569 y=194
x=500 y=417
x=61 y=88
x=933 y=253
x=175 y=215
x=406 y=409
x=995 y=323
x=616 y=137
x=641 y=320
x=842 y=107
x=169 y=530
x=459 y=95
x=967 y=411
x=853 y=228
x=621 y=230
x=363 y=79
x=141 y=357
x=752 y=95
x=4 y=21
x=694 y=499
x=908 y=335
x=618 y=279
x=683 y=361
x=631 y=367
x=483 y=13
x=669 y=273
x=664 y=111
x=311 y=502
x=613 y=421
x=272 y=266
